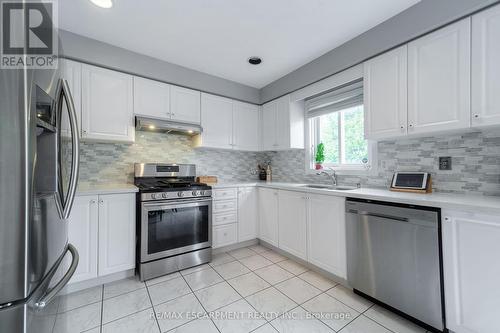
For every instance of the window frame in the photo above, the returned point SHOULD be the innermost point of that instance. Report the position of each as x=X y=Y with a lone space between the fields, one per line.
x=312 y=139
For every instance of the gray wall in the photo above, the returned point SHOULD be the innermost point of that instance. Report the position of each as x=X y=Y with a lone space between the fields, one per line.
x=91 y=51
x=417 y=20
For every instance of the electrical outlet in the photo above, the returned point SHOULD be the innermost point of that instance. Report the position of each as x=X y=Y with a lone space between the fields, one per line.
x=445 y=163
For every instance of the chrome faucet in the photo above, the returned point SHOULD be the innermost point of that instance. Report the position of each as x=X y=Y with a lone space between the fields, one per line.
x=332 y=175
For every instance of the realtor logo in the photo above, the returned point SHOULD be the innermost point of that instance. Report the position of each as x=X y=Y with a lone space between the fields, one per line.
x=28 y=34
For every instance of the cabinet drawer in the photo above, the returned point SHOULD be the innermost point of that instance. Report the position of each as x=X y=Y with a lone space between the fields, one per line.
x=225 y=235
x=224 y=218
x=225 y=206
x=225 y=193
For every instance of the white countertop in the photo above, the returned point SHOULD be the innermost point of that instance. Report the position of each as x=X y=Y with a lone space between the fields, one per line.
x=486 y=204
x=106 y=188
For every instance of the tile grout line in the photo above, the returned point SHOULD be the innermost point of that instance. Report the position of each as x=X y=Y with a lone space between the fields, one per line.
x=152 y=307
x=102 y=308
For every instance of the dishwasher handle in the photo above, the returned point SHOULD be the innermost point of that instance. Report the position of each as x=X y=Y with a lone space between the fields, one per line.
x=382 y=216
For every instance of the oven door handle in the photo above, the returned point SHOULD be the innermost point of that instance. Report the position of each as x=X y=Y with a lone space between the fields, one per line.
x=159 y=204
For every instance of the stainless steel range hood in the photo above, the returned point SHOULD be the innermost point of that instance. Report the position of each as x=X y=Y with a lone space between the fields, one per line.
x=166 y=126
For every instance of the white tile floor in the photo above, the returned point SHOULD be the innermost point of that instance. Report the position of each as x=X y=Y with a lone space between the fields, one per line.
x=251 y=289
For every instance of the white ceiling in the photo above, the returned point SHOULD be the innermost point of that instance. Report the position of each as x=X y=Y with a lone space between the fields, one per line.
x=217 y=36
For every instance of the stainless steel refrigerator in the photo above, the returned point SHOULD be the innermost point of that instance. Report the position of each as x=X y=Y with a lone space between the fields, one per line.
x=39 y=146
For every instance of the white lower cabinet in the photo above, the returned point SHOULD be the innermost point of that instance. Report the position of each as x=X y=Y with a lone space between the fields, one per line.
x=247 y=213
x=224 y=235
x=292 y=216
x=471 y=245
x=116 y=233
x=326 y=238
x=102 y=228
x=82 y=233
x=268 y=215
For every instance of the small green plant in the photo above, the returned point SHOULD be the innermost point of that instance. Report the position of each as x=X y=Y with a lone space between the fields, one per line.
x=320 y=153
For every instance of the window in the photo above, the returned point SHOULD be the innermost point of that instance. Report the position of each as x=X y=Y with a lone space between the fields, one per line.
x=336 y=119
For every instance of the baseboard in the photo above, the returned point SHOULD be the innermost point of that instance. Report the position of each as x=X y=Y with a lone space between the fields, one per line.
x=312 y=267
x=77 y=286
x=235 y=246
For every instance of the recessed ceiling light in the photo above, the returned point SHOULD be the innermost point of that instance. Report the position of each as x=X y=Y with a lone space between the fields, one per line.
x=103 y=3
x=254 y=60
x=190 y=131
x=152 y=127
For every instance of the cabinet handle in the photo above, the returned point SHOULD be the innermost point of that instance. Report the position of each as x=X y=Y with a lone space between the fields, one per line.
x=476 y=116
x=101 y=201
x=92 y=201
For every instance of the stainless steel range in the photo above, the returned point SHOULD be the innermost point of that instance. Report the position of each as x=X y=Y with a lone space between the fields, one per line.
x=174 y=226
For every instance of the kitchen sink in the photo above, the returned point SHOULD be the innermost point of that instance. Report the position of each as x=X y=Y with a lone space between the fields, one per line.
x=330 y=187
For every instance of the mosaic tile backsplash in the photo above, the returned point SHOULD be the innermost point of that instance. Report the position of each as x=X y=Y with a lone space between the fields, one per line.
x=114 y=162
x=475 y=160
x=475 y=163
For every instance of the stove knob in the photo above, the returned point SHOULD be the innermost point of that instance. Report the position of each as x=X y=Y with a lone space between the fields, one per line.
x=164 y=195
x=153 y=196
x=194 y=193
x=180 y=194
x=202 y=192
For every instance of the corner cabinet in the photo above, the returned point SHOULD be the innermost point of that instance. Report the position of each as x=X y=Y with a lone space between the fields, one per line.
x=247 y=213
x=326 y=233
x=102 y=228
x=268 y=215
x=228 y=124
x=486 y=68
x=292 y=217
x=385 y=95
x=471 y=269
x=107 y=105
x=439 y=80
x=282 y=125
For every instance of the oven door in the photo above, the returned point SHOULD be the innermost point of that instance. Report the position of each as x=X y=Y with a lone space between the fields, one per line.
x=170 y=228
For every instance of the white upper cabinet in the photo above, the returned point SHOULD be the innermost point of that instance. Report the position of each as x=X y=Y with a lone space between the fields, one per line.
x=245 y=126
x=228 y=124
x=326 y=233
x=486 y=67
x=185 y=105
x=116 y=233
x=471 y=270
x=71 y=71
x=151 y=98
x=283 y=124
x=107 y=105
x=268 y=215
x=247 y=213
x=439 y=80
x=385 y=94
x=292 y=216
x=216 y=121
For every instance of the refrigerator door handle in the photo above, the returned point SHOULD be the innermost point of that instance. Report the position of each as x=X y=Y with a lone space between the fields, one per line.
x=51 y=293
x=75 y=139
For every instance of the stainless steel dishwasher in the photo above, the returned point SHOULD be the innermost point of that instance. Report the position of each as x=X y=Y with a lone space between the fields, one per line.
x=394 y=258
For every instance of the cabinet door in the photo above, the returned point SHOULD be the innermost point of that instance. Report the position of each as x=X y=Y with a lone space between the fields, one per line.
x=224 y=235
x=471 y=270
x=82 y=233
x=439 y=80
x=486 y=67
x=151 y=98
x=107 y=106
x=247 y=213
x=246 y=126
x=217 y=122
x=385 y=95
x=268 y=215
x=116 y=233
x=269 y=113
x=185 y=105
x=326 y=233
x=292 y=216
x=283 y=123
x=71 y=71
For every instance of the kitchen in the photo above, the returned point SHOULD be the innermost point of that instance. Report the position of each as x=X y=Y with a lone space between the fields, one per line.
x=238 y=182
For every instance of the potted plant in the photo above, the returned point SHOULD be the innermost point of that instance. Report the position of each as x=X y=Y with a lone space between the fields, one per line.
x=320 y=156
